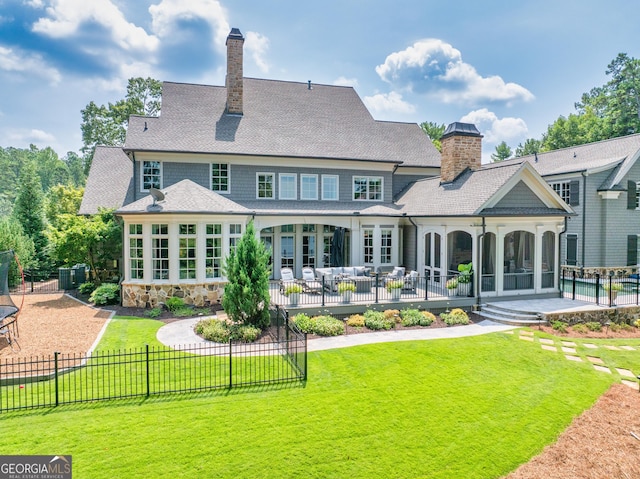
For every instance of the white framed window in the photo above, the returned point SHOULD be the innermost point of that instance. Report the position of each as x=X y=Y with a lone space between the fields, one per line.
x=136 y=262
x=637 y=195
x=150 y=175
x=235 y=233
x=187 y=251
x=160 y=251
x=563 y=190
x=385 y=246
x=308 y=187
x=220 y=177
x=213 y=251
x=368 y=246
x=367 y=188
x=264 y=186
x=330 y=187
x=288 y=186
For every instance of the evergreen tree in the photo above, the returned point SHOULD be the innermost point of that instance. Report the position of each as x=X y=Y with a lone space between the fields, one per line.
x=29 y=211
x=246 y=295
x=435 y=132
x=503 y=151
x=12 y=237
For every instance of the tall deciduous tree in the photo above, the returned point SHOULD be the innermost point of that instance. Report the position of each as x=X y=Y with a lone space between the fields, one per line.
x=435 y=132
x=107 y=124
x=246 y=295
x=93 y=240
x=503 y=151
x=12 y=237
x=531 y=146
x=61 y=200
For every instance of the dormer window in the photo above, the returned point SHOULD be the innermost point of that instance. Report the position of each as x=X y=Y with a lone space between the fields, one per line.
x=367 y=188
x=151 y=175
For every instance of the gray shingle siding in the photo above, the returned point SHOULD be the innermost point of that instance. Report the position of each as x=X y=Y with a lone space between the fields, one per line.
x=520 y=196
x=174 y=172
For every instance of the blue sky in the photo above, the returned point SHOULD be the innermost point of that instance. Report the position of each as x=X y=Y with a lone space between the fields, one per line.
x=509 y=67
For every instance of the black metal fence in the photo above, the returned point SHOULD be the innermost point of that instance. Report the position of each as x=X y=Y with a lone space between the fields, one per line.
x=74 y=378
x=372 y=289
x=607 y=290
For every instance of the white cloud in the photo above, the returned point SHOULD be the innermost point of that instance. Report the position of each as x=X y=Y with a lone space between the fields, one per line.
x=35 y=3
x=12 y=60
x=65 y=17
x=23 y=136
x=388 y=102
x=434 y=67
x=257 y=45
x=494 y=129
x=342 y=81
x=168 y=13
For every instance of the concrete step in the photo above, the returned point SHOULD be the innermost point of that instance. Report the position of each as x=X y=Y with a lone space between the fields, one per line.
x=507 y=316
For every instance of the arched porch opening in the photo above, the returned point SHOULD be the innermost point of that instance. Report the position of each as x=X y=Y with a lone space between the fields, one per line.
x=459 y=250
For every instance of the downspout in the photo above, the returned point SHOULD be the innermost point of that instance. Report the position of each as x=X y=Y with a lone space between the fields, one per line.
x=564 y=231
x=584 y=217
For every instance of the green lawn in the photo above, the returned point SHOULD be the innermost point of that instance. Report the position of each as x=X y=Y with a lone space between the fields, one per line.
x=465 y=408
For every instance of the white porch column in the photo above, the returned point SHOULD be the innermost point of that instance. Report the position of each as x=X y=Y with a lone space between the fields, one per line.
x=500 y=260
x=537 y=271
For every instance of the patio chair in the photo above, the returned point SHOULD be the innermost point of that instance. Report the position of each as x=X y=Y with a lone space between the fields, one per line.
x=309 y=282
x=410 y=281
x=286 y=278
x=395 y=275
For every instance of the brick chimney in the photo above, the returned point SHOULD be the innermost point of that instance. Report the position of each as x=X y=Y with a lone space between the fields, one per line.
x=461 y=149
x=234 y=43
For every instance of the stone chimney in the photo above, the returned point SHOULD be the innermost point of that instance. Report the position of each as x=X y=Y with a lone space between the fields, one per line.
x=234 y=43
x=461 y=149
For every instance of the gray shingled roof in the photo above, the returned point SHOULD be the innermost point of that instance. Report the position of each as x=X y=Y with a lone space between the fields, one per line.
x=461 y=197
x=186 y=197
x=337 y=208
x=592 y=156
x=465 y=195
x=108 y=184
x=280 y=119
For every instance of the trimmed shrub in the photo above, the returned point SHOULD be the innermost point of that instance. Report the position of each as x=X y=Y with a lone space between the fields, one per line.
x=456 y=316
x=413 y=317
x=594 y=326
x=375 y=320
x=616 y=327
x=86 y=288
x=356 y=321
x=636 y=323
x=392 y=314
x=106 y=293
x=174 y=303
x=303 y=322
x=153 y=313
x=327 y=326
x=223 y=331
x=559 y=326
x=580 y=328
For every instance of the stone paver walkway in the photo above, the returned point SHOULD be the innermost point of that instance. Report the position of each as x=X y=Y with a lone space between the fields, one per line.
x=569 y=349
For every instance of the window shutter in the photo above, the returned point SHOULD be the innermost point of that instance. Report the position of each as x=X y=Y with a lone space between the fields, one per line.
x=631 y=195
x=632 y=250
x=574 y=193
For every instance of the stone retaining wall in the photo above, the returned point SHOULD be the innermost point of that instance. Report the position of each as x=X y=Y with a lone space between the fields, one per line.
x=601 y=270
x=622 y=314
x=151 y=295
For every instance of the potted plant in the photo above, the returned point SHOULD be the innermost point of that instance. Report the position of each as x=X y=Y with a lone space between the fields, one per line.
x=464 y=278
x=612 y=290
x=292 y=291
x=394 y=287
x=452 y=286
x=346 y=289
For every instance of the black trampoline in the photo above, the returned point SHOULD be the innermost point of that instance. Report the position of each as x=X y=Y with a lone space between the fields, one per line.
x=8 y=310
